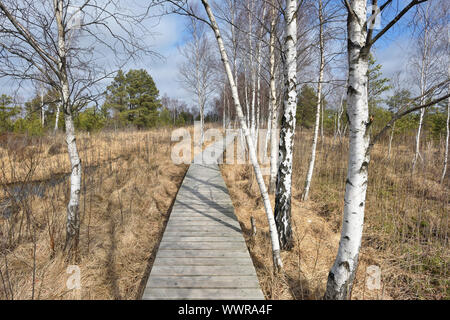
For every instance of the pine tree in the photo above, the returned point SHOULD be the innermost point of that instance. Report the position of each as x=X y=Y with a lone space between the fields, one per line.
x=7 y=113
x=134 y=99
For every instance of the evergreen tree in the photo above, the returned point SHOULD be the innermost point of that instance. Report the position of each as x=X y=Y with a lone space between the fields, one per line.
x=306 y=106
x=134 y=99
x=376 y=84
x=7 y=112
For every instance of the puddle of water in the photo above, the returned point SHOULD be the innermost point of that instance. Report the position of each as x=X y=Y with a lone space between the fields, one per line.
x=19 y=191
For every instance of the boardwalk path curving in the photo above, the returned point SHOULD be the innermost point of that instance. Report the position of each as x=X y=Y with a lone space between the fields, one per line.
x=202 y=254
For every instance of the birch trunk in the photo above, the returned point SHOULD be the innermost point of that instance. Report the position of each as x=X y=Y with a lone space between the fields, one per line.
x=444 y=169
x=73 y=216
x=423 y=84
x=252 y=151
x=340 y=278
x=258 y=75
x=418 y=134
x=319 y=103
x=57 y=118
x=252 y=74
x=273 y=119
x=42 y=110
x=284 y=177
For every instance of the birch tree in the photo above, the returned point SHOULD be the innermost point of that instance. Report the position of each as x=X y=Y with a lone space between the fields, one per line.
x=426 y=59
x=319 y=103
x=184 y=7
x=287 y=131
x=360 y=40
x=444 y=168
x=196 y=71
x=41 y=41
x=273 y=112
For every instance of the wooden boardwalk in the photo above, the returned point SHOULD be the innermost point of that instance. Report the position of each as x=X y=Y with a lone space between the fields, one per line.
x=202 y=254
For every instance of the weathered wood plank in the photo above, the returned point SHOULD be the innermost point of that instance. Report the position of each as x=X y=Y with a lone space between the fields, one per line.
x=218 y=228
x=228 y=245
x=203 y=270
x=226 y=235
x=235 y=253
x=198 y=222
x=203 y=294
x=162 y=261
x=203 y=282
x=194 y=238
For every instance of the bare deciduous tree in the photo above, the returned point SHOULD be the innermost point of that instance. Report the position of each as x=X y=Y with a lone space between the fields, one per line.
x=69 y=48
x=196 y=71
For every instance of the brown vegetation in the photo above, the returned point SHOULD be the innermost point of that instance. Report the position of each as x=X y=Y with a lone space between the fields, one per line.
x=127 y=190
x=406 y=224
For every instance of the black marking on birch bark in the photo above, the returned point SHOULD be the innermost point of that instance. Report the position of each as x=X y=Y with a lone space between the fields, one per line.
x=346 y=237
x=364 y=166
x=361 y=204
x=345 y=264
x=349 y=182
x=352 y=90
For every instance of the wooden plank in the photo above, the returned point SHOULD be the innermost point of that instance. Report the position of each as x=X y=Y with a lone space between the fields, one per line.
x=162 y=261
x=203 y=282
x=226 y=235
x=203 y=270
x=210 y=222
x=217 y=228
x=194 y=238
x=188 y=215
x=203 y=294
x=235 y=253
x=228 y=245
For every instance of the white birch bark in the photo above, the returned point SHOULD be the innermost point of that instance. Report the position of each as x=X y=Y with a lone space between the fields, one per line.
x=319 y=103
x=252 y=72
x=425 y=51
x=273 y=115
x=252 y=151
x=342 y=273
x=273 y=119
x=57 y=117
x=73 y=216
x=417 y=144
x=284 y=178
x=42 y=109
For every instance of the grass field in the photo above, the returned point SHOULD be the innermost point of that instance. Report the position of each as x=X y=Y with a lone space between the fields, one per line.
x=406 y=222
x=130 y=182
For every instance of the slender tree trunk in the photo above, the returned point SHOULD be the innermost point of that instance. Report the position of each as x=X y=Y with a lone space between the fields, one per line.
x=284 y=178
x=340 y=278
x=319 y=103
x=444 y=169
x=418 y=134
x=57 y=117
x=258 y=75
x=224 y=107
x=252 y=151
x=73 y=215
x=423 y=85
x=273 y=115
x=42 y=110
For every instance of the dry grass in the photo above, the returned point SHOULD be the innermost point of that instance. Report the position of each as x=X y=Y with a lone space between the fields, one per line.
x=406 y=224
x=128 y=188
x=129 y=185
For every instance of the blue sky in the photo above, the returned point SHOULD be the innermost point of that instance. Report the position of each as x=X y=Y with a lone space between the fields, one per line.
x=390 y=51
